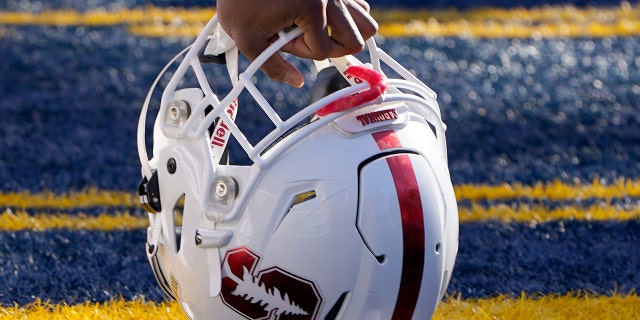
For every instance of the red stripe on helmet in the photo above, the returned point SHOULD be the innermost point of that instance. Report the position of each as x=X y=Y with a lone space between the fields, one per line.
x=412 y=217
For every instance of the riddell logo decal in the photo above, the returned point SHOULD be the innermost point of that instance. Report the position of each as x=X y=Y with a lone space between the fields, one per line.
x=221 y=132
x=377 y=116
x=271 y=293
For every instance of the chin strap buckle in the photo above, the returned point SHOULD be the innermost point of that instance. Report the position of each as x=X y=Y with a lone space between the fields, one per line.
x=149 y=192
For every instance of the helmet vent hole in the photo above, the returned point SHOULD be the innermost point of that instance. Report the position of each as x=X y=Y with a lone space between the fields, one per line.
x=337 y=307
x=433 y=129
x=304 y=197
x=438 y=247
x=178 y=210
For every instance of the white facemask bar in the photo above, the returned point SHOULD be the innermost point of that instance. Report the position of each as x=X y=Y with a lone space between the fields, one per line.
x=142 y=149
x=195 y=127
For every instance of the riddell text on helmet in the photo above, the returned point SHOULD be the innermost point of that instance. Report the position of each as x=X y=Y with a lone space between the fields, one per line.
x=377 y=116
x=221 y=133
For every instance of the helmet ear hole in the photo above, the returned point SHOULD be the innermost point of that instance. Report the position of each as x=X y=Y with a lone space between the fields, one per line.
x=178 y=211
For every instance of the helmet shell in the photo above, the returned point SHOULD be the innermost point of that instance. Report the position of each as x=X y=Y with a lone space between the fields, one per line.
x=347 y=216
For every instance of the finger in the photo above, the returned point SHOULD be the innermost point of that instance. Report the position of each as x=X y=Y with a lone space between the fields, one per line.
x=359 y=11
x=252 y=33
x=280 y=70
x=315 y=41
x=361 y=3
x=253 y=44
x=344 y=31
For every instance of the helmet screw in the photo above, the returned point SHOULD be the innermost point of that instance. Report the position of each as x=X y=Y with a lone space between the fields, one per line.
x=171 y=165
x=174 y=112
x=177 y=112
x=198 y=239
x=221 y=189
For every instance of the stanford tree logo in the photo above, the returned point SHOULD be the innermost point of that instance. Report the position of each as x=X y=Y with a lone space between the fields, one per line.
x=272 y=293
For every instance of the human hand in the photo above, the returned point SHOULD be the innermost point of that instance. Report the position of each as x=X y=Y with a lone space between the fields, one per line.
x=331 y=28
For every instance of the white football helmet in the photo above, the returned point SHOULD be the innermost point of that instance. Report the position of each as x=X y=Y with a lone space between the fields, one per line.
x=345 y=211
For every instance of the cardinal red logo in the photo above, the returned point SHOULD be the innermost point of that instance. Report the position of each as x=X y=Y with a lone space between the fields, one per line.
x=271 y=293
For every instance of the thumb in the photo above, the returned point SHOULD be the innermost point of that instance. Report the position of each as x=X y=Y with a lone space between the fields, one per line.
x=280 y=70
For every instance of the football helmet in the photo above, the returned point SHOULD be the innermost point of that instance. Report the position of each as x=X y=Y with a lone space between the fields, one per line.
x=345 y=209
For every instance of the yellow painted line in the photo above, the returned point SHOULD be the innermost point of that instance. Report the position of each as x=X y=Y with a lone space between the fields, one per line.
x=117 y=309
x=101 y=17
x=532 y=15
x=77 y=199
x=541 y=214
x=553 y=191
x=574 y=306
x=541 y=307
x=548 y=21
x=11 y=220
x=16 y=220
x=511 y=29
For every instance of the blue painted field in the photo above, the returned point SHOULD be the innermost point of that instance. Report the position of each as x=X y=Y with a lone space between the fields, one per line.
x=517 y=109
x=527 y=111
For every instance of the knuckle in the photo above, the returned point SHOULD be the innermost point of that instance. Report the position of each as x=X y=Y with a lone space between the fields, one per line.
x=368 y=29
x=365 y=5
x=313 y=8
x=321 y=53
x=354 y=46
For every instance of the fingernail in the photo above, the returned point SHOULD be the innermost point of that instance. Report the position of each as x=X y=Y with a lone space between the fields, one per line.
x=293 y=81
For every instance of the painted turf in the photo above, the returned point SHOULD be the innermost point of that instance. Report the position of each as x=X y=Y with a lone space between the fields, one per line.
x=494 y=258
x=539 y=110
x=81 y=5
x=543 y=151
x=570 y=306
x=540 y=22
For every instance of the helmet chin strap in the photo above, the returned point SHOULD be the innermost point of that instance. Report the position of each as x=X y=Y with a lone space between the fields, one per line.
x=355 y=72
x=341 y=63
x=378 y=83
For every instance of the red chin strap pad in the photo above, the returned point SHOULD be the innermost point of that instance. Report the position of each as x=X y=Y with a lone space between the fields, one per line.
x=377 y=85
